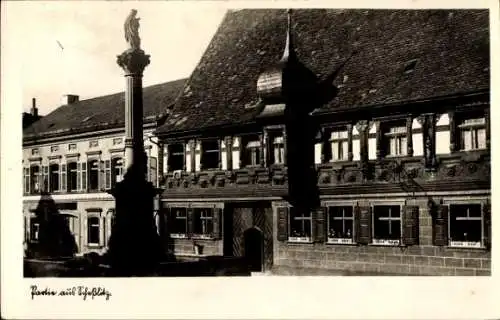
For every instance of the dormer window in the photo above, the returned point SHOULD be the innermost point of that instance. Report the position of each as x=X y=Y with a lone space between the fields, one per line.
x=472 y=133
x=210 y=154
x=395 y=139
x=339 y=142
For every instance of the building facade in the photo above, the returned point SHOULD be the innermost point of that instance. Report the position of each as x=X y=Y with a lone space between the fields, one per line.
x=74 y=155
x=381 y=117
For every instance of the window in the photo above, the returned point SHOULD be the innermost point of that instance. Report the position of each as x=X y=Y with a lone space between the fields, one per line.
x=54 y=148
x=34 y=230
x=116 y=171
x=178 y=225
x=72 y=146
x=93 y=143
x=203 y=222
x=395 y=140
x=34 y=151
x=472 y=134
x=252 y=151
x=117 y=141
x=387 y=225
x=93 y=230
x=210 y=154
x=340 y=225
x=278 y=151
x=300 y=225
x=175 y=157
x=339 y=145
x=93 y=178
x=54 y=177
x=466 y=225
x=35 y=179
x=72 y=176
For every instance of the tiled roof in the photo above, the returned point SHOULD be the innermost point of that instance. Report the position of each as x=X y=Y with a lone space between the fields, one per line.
x=449 y=50
x=104 y=112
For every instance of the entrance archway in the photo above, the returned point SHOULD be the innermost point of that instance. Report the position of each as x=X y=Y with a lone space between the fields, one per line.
x=254 y=248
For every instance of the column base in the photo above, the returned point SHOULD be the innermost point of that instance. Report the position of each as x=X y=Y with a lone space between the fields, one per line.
x=135 y=248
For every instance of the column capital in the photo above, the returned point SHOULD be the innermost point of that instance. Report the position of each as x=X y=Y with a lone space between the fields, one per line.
x=133 y=61
x=362 y=125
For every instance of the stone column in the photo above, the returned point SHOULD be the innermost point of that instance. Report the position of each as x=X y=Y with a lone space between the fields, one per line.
x=133 y=62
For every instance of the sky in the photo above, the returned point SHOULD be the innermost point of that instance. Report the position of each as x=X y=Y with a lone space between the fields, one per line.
x=175 y=34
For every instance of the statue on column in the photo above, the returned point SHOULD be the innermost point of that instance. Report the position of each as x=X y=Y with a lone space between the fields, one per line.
x=131 y=28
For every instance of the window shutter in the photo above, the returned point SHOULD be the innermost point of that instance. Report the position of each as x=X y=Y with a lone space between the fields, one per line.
x=63 y=178
x=27 y=180
x=217 y=219
x=102 y=230
x=363 y=220
x=85 y=230
x=101 y=183
x=78 y=176
x=190 y=221
x=45 y=178
x=319 y=225
x=283 y=223
x=410 y=225
x=152 y=170
x=107 y=172
x=487 y=224
x=84 y=176
x=440 y=228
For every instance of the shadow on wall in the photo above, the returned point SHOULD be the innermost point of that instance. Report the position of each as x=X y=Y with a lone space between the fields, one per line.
x=55 y=240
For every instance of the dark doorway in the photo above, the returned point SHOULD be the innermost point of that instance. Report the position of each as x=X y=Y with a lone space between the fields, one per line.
x=254 y=248
x=228 y=232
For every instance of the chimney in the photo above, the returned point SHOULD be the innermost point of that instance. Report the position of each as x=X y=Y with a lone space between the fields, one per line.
x=34 y=109
x=69 y=99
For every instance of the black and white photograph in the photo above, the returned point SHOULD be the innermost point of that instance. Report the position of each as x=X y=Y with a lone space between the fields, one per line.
x=161 y=140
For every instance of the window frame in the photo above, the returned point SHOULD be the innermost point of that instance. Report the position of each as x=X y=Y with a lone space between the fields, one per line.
x=340 y=140
x=179 y=154
x=113 y=167
x=205 y=151
x=472 y=128
x=35 y=179
x=254 y=151
x=90 y=170
x=34 y=221
x=466 y=244
x=342 y=241
x=171 y=216
x=388 y=136
x=278 y=147
x=89 y=226
x=387 y=242
x=291 y=216
x=69 y=173
x=207 y=235
x=52 y=179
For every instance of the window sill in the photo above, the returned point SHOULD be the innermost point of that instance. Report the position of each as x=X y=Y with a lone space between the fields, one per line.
x=202 y=237
x=178 y=236
x=94 y=246
x=382 y=243
x=340 y=241
x=299 y=240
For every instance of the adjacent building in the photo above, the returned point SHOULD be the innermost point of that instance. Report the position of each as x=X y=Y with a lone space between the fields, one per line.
x=335 y=140
x=73 y=155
